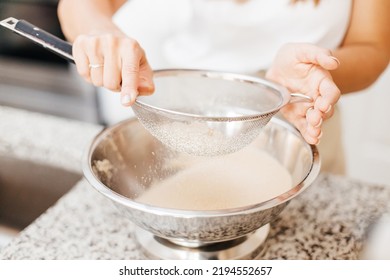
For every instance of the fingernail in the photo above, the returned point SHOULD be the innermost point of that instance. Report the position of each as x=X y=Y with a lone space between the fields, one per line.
x=335 y=58
x=309 y=109
x=319 y=124
x=328 y=110
x=151 y=87
x=125 y=99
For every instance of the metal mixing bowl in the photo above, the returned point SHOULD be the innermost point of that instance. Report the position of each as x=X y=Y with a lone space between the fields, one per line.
x=123 y=160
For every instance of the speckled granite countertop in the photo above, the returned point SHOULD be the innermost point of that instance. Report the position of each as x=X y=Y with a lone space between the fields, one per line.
x=330 y=220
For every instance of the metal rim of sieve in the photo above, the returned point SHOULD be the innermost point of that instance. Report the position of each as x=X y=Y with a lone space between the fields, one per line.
x=284 y=94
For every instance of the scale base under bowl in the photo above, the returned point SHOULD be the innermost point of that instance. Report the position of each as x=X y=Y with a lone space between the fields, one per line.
x=245 y=248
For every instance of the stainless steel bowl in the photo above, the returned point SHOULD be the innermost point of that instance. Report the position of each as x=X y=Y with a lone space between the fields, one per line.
x=123 y=160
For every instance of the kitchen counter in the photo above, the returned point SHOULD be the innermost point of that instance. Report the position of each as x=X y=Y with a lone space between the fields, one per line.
x=330 y=220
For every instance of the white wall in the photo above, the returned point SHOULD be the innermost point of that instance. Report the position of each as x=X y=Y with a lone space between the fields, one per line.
x=366 y=124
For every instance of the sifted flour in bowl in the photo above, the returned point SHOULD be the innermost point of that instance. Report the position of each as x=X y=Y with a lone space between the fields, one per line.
x=243 y=178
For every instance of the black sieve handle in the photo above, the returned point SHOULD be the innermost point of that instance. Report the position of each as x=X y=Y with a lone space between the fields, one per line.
x=39 y=36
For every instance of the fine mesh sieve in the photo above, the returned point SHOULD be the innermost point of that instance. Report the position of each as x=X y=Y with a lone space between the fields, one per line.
x=207 y=113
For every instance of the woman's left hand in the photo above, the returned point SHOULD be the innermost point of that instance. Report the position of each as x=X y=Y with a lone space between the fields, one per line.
x=304 y=68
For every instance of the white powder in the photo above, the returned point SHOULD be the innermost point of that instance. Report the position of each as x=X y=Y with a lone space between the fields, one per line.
x=193 y=138
x=206 y=138
x=247 y=177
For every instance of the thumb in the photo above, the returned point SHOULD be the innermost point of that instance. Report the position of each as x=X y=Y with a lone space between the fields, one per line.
x=312 y=54
x=146 y=84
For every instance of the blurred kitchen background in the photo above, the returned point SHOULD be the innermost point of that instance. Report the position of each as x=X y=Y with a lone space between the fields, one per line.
x=32 y=78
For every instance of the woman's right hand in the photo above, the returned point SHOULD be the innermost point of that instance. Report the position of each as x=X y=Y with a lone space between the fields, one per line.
x=116 y=62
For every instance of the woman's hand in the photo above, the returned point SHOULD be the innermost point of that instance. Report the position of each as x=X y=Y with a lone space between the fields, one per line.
x=116 y=62
x=304 y=68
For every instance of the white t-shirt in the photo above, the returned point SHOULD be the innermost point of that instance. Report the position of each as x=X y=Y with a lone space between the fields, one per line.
x=223 y=35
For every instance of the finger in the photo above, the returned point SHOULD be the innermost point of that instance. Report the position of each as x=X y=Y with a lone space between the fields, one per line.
x=314 y=117
x=298 y=109
x=96 y=73
x=112 y=71
x=145 y=88
x=327 y=61
x=329 y=95
x=80 y=58
x=314 y=132
x=126 y=99
x=96 y=62
x=308 y=53
x=146 y=85
x=302 y=126
x=314 y=123
x=329 y=113
x=312 y=140
x=131 y=57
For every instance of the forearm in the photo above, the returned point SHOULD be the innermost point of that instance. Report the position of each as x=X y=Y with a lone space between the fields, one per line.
x=360 y=66
x=86 y=16
x=365 y=52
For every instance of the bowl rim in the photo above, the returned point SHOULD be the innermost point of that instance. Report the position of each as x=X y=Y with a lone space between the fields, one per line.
x=308 y=179
x=285 y=95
